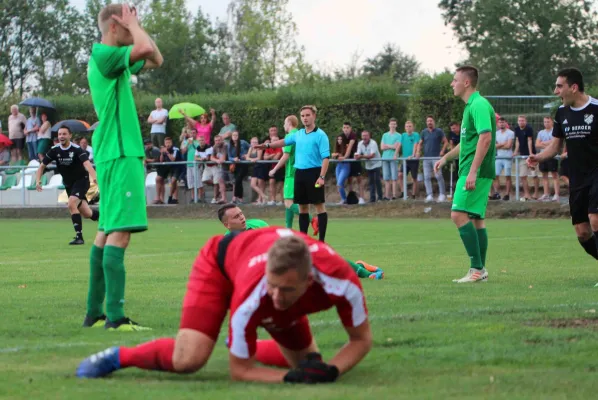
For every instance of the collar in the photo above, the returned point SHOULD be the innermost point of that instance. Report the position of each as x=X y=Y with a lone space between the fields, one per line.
x=473 y=96
x=65 y=148
x=315 y=129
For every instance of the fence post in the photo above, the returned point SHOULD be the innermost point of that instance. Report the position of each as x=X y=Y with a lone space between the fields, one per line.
x=23 y=188
x=451 y=189
x=195 y=171
x=404 y=179
x=517 y=178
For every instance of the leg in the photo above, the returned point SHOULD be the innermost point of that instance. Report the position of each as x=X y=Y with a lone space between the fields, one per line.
x=428 y=171
x=545 y=184
x=480 y=227
x=378 y=183
x=160 y=190
x=272 y=187
x=440 y=180
x=174 y=188
x=536 y=185
x=322 y=220
x=73 y=204
x=294 y=342
x=372 y=185
x=97 y=285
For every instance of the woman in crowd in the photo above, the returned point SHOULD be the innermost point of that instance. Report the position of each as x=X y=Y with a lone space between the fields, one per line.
x=260 y=171
x=205 y=125
x=342 y=168
x=237 y=151
x=44 y=137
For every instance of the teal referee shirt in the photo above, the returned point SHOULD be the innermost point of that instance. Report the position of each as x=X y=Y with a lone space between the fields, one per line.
x=310 y=147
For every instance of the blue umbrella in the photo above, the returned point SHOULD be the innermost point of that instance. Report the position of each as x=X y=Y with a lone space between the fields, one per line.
x=37 y=102
x=94 y=126
x=75 y=125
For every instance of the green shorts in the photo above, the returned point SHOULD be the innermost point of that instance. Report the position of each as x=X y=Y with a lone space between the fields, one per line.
x=122 y=195
x=43 y=145
x=289 y=189
x=472 y=202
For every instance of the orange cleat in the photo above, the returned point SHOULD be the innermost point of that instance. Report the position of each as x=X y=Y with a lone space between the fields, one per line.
x=369 y=267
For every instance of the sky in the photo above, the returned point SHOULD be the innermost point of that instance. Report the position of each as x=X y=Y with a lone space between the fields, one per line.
x=332 y=31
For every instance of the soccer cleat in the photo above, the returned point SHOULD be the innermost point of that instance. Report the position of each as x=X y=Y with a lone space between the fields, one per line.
x=125 y=325
x=369 y=267
x=94 y=322
x=315 y=225
x=474 y=275
x=77 y=241
x=377 y=275
x=100 y=364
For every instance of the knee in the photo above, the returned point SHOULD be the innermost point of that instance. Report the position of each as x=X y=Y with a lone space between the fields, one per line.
x=583 y=232
x=187 y=363
x=459 y=218
x=73 y=205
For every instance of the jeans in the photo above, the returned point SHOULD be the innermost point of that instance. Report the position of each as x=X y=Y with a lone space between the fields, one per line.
x=32 y=149
x=342 y=173
x=375 y=184
x=240 y=174
x=428 y=171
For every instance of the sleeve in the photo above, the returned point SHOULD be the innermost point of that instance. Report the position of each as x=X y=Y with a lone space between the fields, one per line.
x=113 y=61
x=511 y=135
x=529 y=132
x=290 y=140
x=482 y=120
x=557 y=129
x=230 y=152
x=49 y=157
x=83 y=156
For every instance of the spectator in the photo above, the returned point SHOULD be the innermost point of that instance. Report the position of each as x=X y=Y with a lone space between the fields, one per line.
x=204 y=126
x=86 y=147
x=411 y=143
x=260 y=172
x=274 y=155
x=368 y=149
x=355 y=173
x=31 y=128
x=454 y=140
x=391 y=146
x=548 y=166
x=189 y=145
x=157 y=119
x=227 y=130
x=433 y=138
x=504 y=148
x=1 y=133
x=4 y=155
x=564 y=169
x=215 y=173
x=524 y=146
x=169 y=153
x=44 y=137
x=202 y=153
x=237 y=151
x=343 y=169
x=152 y=155
x=16 y=126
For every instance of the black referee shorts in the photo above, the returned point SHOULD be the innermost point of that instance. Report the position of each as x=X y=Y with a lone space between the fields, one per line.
x=78 y=189
x=306 y=191
x=583 y=201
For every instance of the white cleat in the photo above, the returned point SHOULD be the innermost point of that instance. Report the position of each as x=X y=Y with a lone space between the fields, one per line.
x=474 y=275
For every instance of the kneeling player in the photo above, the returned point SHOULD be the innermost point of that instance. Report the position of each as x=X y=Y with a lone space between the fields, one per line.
x=273 y=278
x=233 y=219
x=73 y=164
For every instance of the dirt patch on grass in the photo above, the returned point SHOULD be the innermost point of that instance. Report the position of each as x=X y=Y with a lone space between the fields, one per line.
x=561 y=323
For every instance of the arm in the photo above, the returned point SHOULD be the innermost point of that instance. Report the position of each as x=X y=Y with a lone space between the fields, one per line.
x=142 y=44
x=397 y=150
x=550 y=151
x=445 y=145
x=454 y=153
x=360 y=343
x=539 y=144
x=529 y=144
x=246 y=370
x=516 y=152
x=281 y=162
x=38 y=177
x=349 y=147
x=324 y=169
x=480 y=152
x=417 y=149
x=188 y=119
x=154 y=61
x=150 y=119
x=213 y=119
x=91 y=171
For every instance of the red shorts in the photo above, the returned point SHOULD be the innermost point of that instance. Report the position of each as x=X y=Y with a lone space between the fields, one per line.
x=208 y=294
x=296 y=337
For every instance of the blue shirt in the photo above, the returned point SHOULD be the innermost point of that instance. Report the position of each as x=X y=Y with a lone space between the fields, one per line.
x=310 y=148
x=232 y=151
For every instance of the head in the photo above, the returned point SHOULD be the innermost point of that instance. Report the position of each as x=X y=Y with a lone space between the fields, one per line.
x=32 y=111
x=548 y=123
x=347 y=128
x=203 y=119
x=147 y=143
x=341 y=142
x=218 y=140
x=112 y=32
x=64 y=136
x=14 y=110
x=44 y=117
x=502 y=124
x=254 y=141
x=225 y=119
x=291 y=122
x=365 y=136
x=232 y=217
x=201 y=140
x=168 y=142
x=288 y=271
x=193 y=133
x=430 y=123
x=83 y=143
x=569 y=85
x=465 y=80
x=273 y=132
x=392 y=124
x=409 y=127
x=522 y=121
x=235 y=136
x=158 y=103
x=308 y=115
x=455 y=127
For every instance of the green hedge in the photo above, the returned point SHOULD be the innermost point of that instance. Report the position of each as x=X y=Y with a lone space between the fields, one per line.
x=368 y=105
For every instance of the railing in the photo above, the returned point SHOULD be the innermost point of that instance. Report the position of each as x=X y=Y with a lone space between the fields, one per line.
x=184 y=164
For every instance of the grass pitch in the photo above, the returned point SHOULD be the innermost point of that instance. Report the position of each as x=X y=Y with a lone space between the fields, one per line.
x=530 y=332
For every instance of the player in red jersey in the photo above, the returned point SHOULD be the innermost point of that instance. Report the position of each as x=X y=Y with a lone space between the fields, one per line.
x=273 y=278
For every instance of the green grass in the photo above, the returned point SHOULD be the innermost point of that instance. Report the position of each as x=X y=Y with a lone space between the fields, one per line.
x=433 y=339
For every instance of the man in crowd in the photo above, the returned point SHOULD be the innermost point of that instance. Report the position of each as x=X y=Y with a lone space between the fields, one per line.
x=411 y=143
x=524 y=146
x=86 y=148
x=504 y=148
x=31 y=129
x=549 y=166
x=356 y=169
x=367 y=149
x=454 y=140
x=157 y=119
x=214 y=173
x=169 y=153
x=227 y=129
x=391 y=148
x=16 y=132
x=434 y=144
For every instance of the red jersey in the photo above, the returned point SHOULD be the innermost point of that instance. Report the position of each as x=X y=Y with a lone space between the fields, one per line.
x=335 y=285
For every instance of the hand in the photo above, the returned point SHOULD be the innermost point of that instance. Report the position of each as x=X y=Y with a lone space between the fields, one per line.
x=128 y=18
x=312 y=370
x=212 y=111
x=236 y=159
x=532 y=161
x=441 y=153
x=341 y=158
x=38 y=186
x=320 y=182
x=470 y=182
x=439 y=164
x=259 y=146
x=272 y=173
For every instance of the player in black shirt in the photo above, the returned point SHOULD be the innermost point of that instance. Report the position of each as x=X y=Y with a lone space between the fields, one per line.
x=576 y=123
x=73 y=164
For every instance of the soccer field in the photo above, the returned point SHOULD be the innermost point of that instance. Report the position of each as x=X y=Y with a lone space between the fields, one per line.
x=530 y=332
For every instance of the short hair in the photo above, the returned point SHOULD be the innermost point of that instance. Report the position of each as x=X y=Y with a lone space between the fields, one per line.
x=273 y=126
x=573 y=77
x=347 y=123
x=106 y=14
x=471 y=72
x=548 y=117
x=167 y=138
x=289 y=253
x=14 y=106
x=502 y=119
x=223 y=209
x=65 y=127
x=293 y=120
x=392 y=120
x=364 y=131
x=522 y=116
x=408 y=122
x=430 y=116
x=309 y=107
x=453 y=123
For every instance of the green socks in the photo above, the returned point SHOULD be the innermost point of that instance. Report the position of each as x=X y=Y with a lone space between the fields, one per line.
x=288 y=217
x=469 y=236
x=359 y=269
x=483 y=241
x=114 y=270
x=97 y=286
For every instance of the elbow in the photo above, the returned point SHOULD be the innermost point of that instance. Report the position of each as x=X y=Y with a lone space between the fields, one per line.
x=238 y=374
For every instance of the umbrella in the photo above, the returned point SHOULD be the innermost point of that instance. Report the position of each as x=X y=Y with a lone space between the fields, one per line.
x=37 y=102
x=94 y=126
x=4 y=140
x=192 y=110
x=75 y=125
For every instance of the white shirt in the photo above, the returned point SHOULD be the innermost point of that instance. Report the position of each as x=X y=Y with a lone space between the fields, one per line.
x=159 y=114
x=504 y=137
x=371 y=148
x=90 y=151
x=544 y=136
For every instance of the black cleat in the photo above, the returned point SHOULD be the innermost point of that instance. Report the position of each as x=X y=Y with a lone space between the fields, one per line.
x=77 y=240
x=94 y=322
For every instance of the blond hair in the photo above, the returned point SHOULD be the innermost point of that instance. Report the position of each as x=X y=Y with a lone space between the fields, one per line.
x=289 y=253
x=309 y=107
x=293 y=121
x=105 y=16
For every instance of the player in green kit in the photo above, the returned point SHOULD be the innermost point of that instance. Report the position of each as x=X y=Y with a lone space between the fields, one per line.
x=125 y=49
x=477 y=153
x=233 y=219
x=287 y=161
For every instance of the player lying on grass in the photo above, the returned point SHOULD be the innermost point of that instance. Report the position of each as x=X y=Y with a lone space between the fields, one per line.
x=233 y=219
x=74 y=166
x=270 y=278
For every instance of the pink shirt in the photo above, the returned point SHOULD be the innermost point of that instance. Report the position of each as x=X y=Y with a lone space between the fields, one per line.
x=205 y=131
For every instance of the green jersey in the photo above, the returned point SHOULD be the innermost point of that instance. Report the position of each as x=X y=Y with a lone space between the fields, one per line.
x=118 y=133
x=253 y=224
x=478 y=119
x=289 y=172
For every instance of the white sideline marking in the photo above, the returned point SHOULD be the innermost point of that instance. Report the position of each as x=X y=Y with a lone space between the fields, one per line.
x=313 y=323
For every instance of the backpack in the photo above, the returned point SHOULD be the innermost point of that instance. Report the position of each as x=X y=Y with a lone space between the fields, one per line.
x=352 y=197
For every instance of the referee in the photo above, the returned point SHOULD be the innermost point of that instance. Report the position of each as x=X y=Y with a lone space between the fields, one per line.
x=312 y=153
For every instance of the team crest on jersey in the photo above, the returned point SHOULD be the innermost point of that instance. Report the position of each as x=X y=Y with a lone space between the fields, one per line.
x=589 y=118
x=71 y=154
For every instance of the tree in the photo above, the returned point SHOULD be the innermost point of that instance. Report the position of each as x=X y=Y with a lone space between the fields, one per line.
x=520 y=45
x=391 y=61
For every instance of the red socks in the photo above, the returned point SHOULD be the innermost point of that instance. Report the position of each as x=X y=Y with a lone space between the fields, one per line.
x=268 y=353
x=156 y=355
